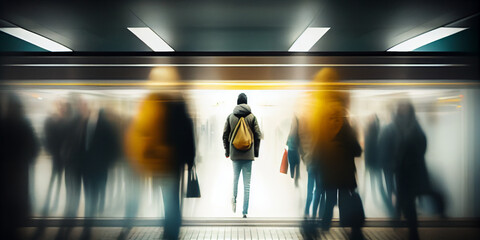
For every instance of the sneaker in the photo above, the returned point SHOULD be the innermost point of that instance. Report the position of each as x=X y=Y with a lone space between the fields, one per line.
x=244 y=215
x=234 y=205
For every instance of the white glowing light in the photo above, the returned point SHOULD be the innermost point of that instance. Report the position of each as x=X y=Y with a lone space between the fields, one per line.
x=151 y=39
x=424 y=39
x=308 y=38
x=35 y=39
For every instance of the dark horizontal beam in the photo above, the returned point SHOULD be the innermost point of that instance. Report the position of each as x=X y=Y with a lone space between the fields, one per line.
x=226 y=68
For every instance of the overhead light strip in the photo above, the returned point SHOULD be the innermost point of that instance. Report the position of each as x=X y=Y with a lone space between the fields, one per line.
x=308 y=38
x=35 y=39
x=151 y=39
x=425 y=38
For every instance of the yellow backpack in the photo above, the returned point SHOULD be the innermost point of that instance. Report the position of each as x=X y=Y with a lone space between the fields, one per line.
x=242 y=136
x=146 y=141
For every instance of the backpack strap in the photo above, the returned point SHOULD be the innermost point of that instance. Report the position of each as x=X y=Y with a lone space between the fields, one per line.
x=234 y=131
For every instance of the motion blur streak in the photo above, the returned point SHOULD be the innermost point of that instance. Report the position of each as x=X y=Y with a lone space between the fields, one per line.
x=74 y=176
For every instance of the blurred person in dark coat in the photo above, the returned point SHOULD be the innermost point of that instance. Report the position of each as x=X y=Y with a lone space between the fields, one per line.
x=72 y=152
x=411 y=173
x=18 y=149
x=160 y=142
x=335 y=147
x=102 y=147
x=371 y=149
x=387 y=156
x=337 y=171
x=378 y=150
x=55 y=133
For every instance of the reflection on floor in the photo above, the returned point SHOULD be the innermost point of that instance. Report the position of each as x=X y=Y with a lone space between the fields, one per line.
x=252 y=233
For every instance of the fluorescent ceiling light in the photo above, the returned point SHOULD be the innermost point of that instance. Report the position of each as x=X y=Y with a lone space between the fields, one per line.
x=424 y=39
x=308 y=38
x=35 y=39
x=151 y=39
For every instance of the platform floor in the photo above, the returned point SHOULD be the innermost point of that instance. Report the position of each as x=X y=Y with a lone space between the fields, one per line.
x=252 y=233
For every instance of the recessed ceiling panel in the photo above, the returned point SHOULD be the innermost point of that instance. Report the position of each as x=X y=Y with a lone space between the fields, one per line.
x=226 y=26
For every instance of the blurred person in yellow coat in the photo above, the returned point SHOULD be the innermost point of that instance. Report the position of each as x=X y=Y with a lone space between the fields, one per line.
x=333 y=147
x=160 y=142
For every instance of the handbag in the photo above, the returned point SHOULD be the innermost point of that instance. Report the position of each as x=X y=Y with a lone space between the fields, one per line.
x=351 y=210
x=284 y=164
x=193 y=188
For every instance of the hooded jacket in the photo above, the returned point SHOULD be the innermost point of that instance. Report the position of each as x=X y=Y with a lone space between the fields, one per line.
x=241 y=110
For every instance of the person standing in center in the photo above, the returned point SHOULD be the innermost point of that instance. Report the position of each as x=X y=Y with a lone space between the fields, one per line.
x=241 y=158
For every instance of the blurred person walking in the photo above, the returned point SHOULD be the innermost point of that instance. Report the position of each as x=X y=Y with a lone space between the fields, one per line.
x=337 y=170
x=55 y=134
x=72 y=152
x=18 y=149
x=379 y=146
x=335 y=146
x=241 y=140
x=411 y=173
x=300 y=146
x=387 y=157
x=102 y=147
x=160 y=141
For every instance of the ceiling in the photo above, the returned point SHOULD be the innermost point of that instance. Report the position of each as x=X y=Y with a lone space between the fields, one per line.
x=234 y=26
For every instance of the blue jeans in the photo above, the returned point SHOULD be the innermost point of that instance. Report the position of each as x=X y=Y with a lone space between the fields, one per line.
x=317 y=195
x=244 y=166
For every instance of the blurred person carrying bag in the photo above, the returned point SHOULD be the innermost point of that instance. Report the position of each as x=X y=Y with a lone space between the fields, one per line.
x=160 y=142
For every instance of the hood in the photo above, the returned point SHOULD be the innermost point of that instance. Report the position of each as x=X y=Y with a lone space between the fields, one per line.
x=242 y=110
